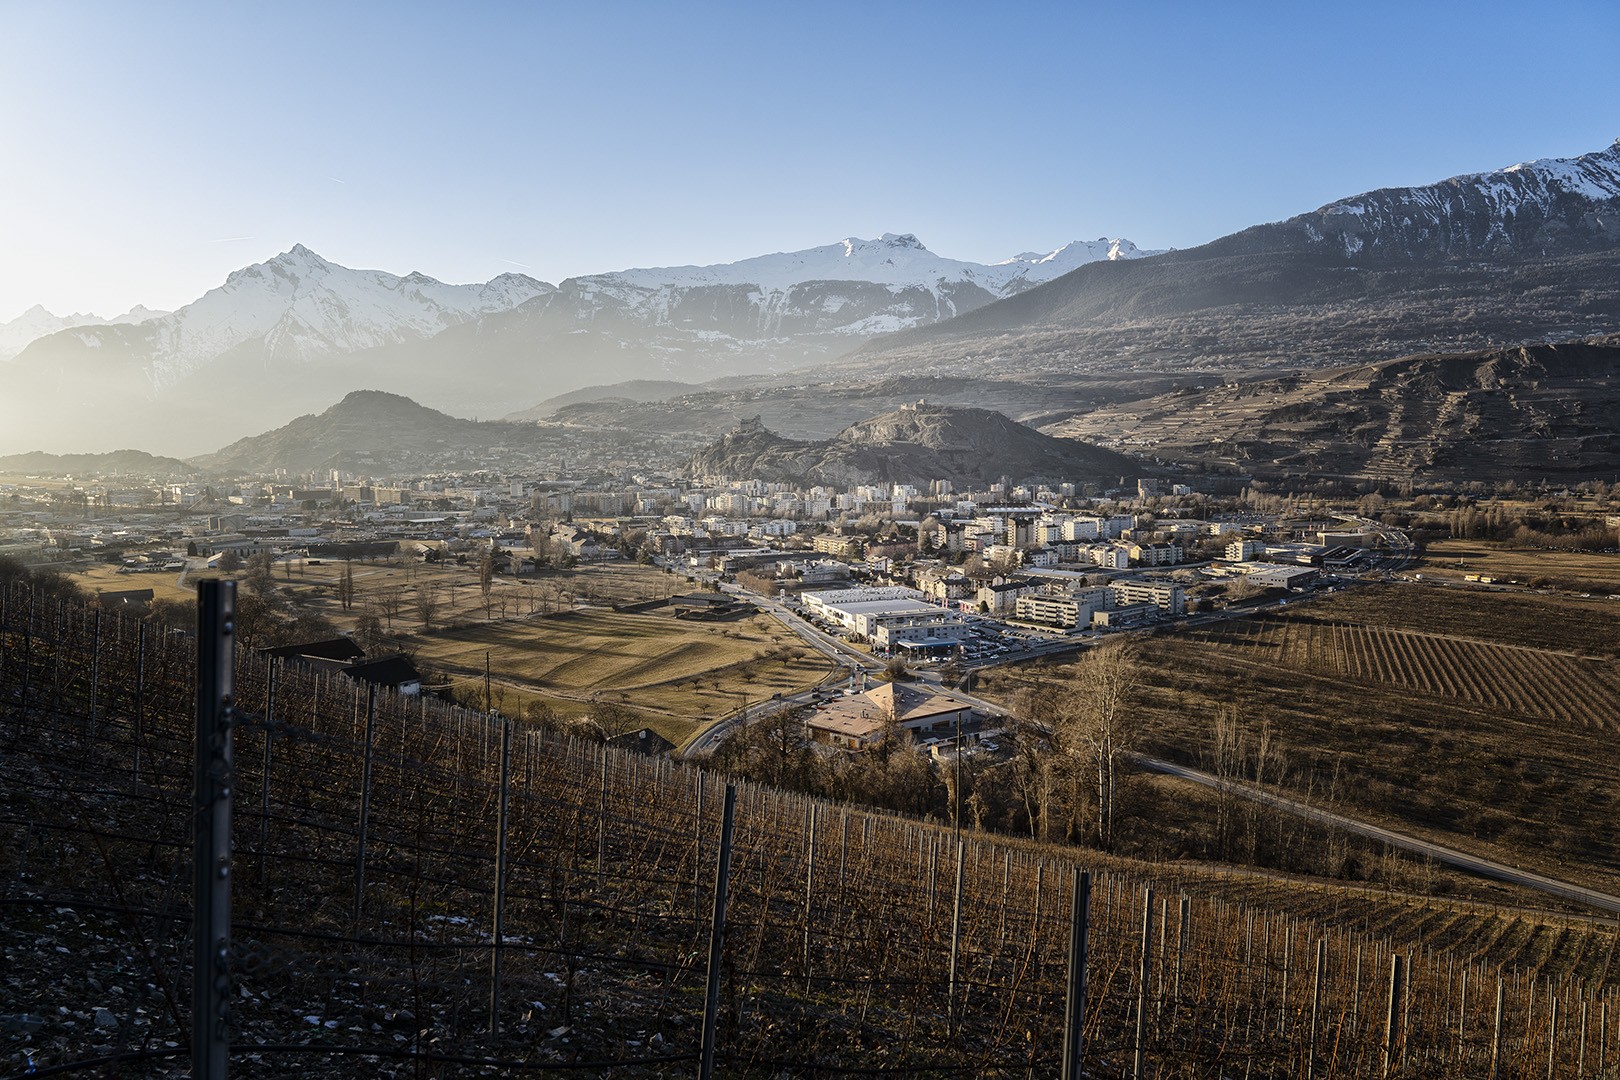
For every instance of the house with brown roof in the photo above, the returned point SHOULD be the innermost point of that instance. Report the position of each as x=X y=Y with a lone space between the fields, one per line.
x=860 y=721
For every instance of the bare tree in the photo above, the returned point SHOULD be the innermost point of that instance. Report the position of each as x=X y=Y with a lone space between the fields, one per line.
x=260 y=575
x=1228 y=754
x=427 y=604
x=346 y=586
x=609 y=719
x=389 y=602
x=486 y=577
x=1096 y=719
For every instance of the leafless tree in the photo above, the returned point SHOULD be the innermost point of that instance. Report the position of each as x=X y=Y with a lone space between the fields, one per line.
x=346 y=586
x=388 y=602
x=427 y=604
x=486 y=577
x=1097 y=724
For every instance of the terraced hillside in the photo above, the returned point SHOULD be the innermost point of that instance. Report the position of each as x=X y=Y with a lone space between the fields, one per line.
x=1538 y=411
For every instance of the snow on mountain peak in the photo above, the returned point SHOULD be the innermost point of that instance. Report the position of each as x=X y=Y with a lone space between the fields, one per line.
x=896 y=260
x=37 y=322
x=300 y=305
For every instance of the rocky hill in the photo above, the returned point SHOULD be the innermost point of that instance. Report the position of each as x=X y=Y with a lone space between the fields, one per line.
x=914 y=444
x=1547 y=411
x=372 y=432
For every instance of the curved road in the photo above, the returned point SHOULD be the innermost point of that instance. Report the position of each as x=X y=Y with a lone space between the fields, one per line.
x=1473 y=864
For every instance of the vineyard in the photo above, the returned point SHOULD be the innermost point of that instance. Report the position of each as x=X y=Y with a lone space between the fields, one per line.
x=1558 y=686
x=420 y=890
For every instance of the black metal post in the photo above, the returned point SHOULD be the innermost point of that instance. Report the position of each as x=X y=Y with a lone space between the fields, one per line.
x=264 y=765
x=95 y=669
x=956 y=933
x=496 y=956
x=365 y=807
x=140 y=695
x=1075 y=1015
x=1144 y=977
x=211 y=853
x=717 y=937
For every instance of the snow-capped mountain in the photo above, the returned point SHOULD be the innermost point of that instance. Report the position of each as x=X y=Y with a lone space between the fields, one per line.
x=298 y=307
x=1539 y=207
x=852 y=289
x=36 y=322
x=282 y=334
x=892 y=259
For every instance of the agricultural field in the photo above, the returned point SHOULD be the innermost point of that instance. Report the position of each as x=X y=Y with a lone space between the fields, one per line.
x=394 y=590
x=678 y=674
x=1574 y=571
x=1425 y=709
x=1565 y=688
x=1590 y=627
x=104 y=577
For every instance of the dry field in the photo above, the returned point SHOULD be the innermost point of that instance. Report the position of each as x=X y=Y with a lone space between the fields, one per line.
x=391 y=590
x=1566 y=688
x=678 y=673
x=1577 y=571
x=1425 y=709
x=103 y=577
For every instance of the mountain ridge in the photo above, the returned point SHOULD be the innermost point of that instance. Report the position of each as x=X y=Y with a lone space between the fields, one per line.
x=246 y=351
x=1570 y=206
x=914 y=444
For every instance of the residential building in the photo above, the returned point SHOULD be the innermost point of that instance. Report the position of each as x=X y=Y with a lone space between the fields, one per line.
x=861 y=721
x=1166 y=595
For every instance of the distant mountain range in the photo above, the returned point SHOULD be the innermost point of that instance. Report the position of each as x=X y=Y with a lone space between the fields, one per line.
x=36 y=323
x=1529 y=253
x=134 y=463
x=1523 y=255
x=281 y=336
x=914 y=444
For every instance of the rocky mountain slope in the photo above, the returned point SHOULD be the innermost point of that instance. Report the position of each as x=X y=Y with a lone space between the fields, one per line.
x=1525 y=254
x=1546 y=411
x=914 y=445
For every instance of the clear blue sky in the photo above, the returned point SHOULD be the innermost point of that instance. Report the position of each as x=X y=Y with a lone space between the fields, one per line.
x=138 y=140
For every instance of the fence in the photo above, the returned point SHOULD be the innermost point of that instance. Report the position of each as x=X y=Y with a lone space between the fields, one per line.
x=421 y=890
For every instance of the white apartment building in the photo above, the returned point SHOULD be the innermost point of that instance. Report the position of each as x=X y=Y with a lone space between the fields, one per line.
x=1167 y=595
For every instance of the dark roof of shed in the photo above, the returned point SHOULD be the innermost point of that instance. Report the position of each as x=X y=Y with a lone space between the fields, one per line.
x=341 y=648
x=387 y=671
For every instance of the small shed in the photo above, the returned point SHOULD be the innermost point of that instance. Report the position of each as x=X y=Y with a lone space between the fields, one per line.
x=393 y=672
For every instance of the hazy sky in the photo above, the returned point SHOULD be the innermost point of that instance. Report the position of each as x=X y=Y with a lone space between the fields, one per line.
x=148 y=149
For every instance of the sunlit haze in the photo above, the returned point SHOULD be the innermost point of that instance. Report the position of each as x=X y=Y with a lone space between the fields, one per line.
x=151 y=150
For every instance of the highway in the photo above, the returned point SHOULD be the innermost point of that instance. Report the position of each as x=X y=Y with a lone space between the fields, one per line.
x=1473 y=864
